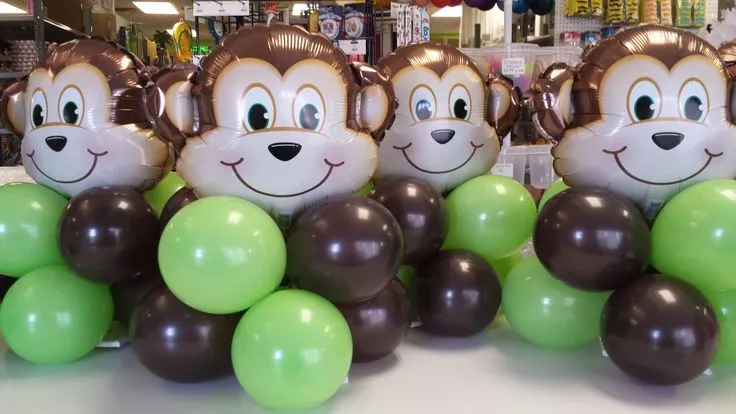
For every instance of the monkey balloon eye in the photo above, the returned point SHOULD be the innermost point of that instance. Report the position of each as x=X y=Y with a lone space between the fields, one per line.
x=693 y=103
x=38 y=108
x=460 y=102
x=259 y=109
x=422 y=103
x=71 y=105
x=644 y=101
x=309 y=109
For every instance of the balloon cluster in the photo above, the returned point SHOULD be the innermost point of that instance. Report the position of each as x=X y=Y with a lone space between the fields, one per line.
x=597 y=269
x=538 y=7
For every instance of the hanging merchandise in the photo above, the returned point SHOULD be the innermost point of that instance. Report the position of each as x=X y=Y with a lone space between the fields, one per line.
x=448 y=121
x=622 y=11
x=330 y=21
x=307 y=114
x=623 y=91
x=133 y=38
x=183 y=41
x=216 y=29
x=582 y=8
x=354 y=38
x=690 y=13
x=656 y=12
x=412 y=25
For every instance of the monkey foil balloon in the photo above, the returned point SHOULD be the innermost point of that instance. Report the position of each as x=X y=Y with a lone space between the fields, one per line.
x=279 y=118
x=82 y=114
x=449 y=120
x=646 y=114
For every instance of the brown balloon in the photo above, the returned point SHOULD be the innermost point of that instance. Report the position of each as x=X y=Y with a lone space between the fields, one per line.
x=127 y=296
x=169 y=82
x=345 y=249
x=592 y=239
x=659 y=331
x=458 y=294
x=6 y=282
x=180 y=344
x=420 y=211
x=110 y=234
x=182 y=198
x=378 y=325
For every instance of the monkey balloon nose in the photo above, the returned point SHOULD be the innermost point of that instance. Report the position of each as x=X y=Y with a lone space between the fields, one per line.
x=667 y=140
x=443 y=136
x=284 y=151
x=56 y=142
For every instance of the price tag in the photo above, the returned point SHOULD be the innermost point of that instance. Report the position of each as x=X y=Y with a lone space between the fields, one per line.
x=395 y=7
x=221 y=8
x=503 y=170
x=513 y=66
x=353 y=47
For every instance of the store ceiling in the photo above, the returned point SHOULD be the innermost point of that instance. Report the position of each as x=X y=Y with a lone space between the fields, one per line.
x=152 y=22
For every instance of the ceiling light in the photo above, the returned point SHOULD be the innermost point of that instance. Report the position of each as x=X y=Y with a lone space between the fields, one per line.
x=6 y=8
x=299 y=8
x=452 y=11
x=156 y=7
x=171 y=32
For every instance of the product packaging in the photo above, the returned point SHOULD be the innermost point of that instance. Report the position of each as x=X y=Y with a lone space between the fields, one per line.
x=356 y=22
x=330 y=21
x=425 y=24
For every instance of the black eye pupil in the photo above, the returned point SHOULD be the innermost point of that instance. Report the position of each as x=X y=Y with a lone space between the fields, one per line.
x=423 y=109
x=644 y=108
x=693 y=108
x=38 y=115
x=309 y=117
x=460 y=109
x=70 y=113
x=258 y=117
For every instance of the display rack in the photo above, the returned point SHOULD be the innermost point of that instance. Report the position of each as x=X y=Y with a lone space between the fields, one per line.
x=563 y=23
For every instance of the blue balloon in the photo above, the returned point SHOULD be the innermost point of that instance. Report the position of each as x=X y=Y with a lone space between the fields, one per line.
x=542 y=7
x=517 y=6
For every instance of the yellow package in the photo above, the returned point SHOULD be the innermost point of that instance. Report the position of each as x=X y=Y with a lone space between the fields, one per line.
x=631 y=11
x=614 y=12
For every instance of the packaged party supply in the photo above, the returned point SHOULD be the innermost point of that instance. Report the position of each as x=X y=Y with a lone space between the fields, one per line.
x=416 y=28
x=570 y=39
x=621 y=12
x=656 y=12
x=690 y=13
x=588 y=39
x=330 y=21
x=355 y=22
x=577 y=8
x=596 y=8
x=699 y=13
x=425 y=24
x=631 y=11
x=514 y=61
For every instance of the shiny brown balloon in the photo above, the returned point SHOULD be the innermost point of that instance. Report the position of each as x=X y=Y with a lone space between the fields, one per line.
x=592 y=239
x=659 y=330
x=458 y=294
x=378 y=325
x=110 y=234
x=180 y=344
x=420 y=211
x=128 y=296
x=345 y=249
x=5 y=283
x=182 y=198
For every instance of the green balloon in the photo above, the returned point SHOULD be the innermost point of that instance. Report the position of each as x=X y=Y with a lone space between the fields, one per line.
x=694 y=236
x=551 y=191
x=162 y=192
x=29 y=218
x=724 y=306
x=53 y=316
x=547 y=312
x=221 y=255
x=367 y=188
x=292 y=350
x=490 y=215
x=406 y=276
x=504 y=265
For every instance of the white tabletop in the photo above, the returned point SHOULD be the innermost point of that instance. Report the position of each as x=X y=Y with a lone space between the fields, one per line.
x=494 y=373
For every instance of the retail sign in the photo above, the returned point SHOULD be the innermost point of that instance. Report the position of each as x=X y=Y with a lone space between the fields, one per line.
x=503 y=170
x=353 y=47
x=513 y=66
x=205 y=8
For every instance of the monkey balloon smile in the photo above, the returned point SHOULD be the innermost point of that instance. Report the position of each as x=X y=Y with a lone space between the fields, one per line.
x=620 y=164
x=89 y=172
x=464 y=163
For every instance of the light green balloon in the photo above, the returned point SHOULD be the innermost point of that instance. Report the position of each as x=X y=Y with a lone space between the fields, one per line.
x=555 y=188
x=406 y=276
x=490 y=215
x=724 y=307
x=547 y=312
x=222 y=254
x=29 y=219
x=159 y=195
x=292 y=350
x=694 y=236
x=53 y=316
x=504 y=265
x=366 y=189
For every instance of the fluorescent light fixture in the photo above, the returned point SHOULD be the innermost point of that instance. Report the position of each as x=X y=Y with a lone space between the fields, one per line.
x=156 y=7
x=299 y=8
x=171 y=32
x=6 y=8
x=453 y=11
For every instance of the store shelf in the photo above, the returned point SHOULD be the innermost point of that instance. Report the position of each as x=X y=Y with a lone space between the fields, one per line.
x=20 y=27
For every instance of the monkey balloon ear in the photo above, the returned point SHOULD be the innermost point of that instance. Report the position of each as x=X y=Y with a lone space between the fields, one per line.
x=170 y=105
x=727 y=51
x=376 y=100
x=552 y=101
x=503 y=104
x=13 y=106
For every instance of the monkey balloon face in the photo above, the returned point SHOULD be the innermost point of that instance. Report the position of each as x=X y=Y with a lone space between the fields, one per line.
x=281 y=140
x=658 y=126
x=440 y=133
x=71 y=145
